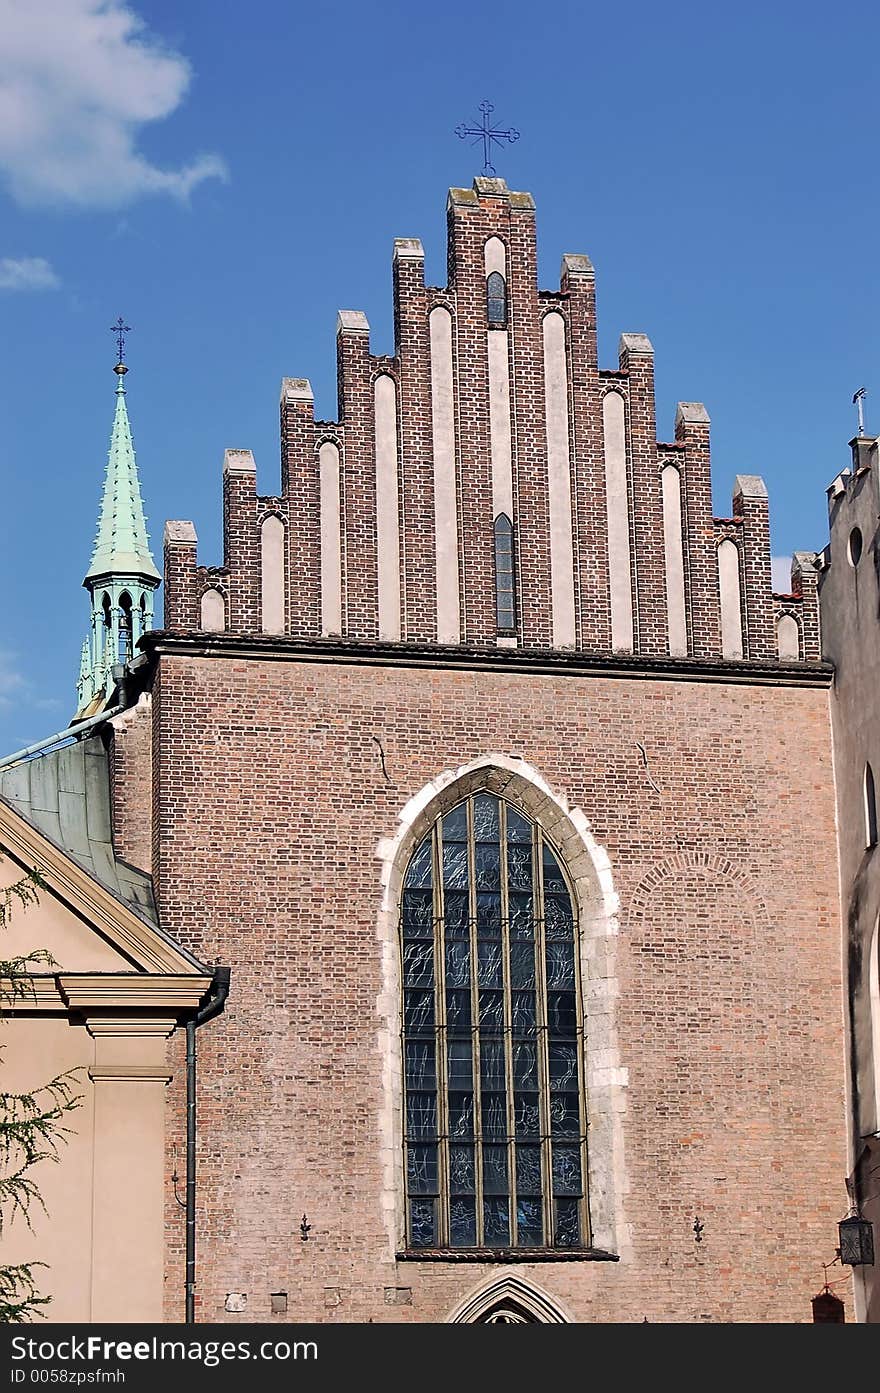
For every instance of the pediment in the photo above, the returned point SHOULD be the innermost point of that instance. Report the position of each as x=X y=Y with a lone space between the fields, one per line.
x=76 y=918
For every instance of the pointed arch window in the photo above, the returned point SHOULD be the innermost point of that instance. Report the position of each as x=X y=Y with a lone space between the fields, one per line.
x=106 y=641
x=507 y=1313
x=125 y=636
x=505 y=606
x=496 y=300
x=495 y=1129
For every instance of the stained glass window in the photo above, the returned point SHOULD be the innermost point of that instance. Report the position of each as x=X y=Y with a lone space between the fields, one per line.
x=492 y=1037
x=496 y=300
x=505 y=608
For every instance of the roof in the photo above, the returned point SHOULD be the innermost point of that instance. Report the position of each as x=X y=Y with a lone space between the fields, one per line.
x=65 y=794
x=122 y=547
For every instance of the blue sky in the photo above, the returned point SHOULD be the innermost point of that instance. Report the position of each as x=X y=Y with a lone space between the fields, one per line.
x=226 y=176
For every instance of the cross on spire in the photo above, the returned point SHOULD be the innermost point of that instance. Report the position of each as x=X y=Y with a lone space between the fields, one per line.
x=122 y=575
x=488 y=134
x=120 y=329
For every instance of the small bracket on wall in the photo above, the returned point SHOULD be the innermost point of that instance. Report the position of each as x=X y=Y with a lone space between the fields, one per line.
x=305 y=1229
x=698 y=1230
x=175 y=1178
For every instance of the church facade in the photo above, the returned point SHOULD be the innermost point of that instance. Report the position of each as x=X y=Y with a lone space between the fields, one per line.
x=494 y=770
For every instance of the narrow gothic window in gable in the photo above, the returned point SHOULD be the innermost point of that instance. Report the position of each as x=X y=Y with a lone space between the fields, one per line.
x=495 y=1124
x=496 y=300
x=505 y=607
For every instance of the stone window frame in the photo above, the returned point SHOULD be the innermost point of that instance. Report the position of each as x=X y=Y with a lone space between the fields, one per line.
x=597 y=906
x=786 y=612
x=497 y=307
x=564 y=1211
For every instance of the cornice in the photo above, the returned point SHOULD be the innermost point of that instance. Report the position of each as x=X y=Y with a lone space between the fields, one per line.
x=130 y=992
x=129 y=1073
x=524 y=661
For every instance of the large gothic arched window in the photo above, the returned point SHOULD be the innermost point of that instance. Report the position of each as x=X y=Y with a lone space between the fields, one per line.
x=493 y=1037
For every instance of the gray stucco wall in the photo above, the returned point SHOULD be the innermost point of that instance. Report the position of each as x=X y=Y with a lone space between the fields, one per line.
x=850 y=616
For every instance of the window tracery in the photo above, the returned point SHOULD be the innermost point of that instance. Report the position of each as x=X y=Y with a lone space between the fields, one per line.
x=495 y=1129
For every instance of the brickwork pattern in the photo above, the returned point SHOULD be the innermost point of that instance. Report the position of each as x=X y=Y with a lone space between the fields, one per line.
x=468 y=229
x=418 y=570
x=131 y=784
x=181 y=593
x=759 y=626
x=650 y=628
x=300 y=500
x=805 y=585
x=489 y=210
x=241 y=550
x=276 y=781
x=592 y=607
x=700 y=551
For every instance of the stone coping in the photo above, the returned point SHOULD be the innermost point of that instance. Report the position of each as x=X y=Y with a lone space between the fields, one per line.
x=544 y=661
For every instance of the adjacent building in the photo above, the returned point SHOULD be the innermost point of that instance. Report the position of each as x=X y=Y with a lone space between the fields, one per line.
x=850 y=604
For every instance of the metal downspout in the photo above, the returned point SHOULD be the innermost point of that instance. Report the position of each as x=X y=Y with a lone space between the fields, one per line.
x=219 y=991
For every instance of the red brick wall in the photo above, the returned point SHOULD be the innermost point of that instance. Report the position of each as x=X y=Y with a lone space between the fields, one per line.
x=131 y=776
x=416 y=482
x=646 y=506
x=270 y=804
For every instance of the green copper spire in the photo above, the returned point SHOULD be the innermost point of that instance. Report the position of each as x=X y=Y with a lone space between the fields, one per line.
x=121 y=544
x=122 y=577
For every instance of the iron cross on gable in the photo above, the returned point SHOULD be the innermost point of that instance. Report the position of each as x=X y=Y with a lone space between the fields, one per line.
x=488 y=134
x=120 y=329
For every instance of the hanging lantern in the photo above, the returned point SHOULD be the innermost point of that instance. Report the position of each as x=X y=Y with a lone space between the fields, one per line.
x=856 y=1241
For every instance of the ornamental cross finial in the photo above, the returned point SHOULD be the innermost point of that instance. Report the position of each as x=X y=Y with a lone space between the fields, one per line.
x=120 y=329
x=859 y=402
x=488 y=134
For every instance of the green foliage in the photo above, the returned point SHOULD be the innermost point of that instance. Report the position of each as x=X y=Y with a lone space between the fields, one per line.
x=23 y=892
x=19 y=1298
x=32 y=1124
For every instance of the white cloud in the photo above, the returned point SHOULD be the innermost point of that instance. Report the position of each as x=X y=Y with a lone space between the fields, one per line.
x=78 y=80
x=780 y=571
x=28 y=273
